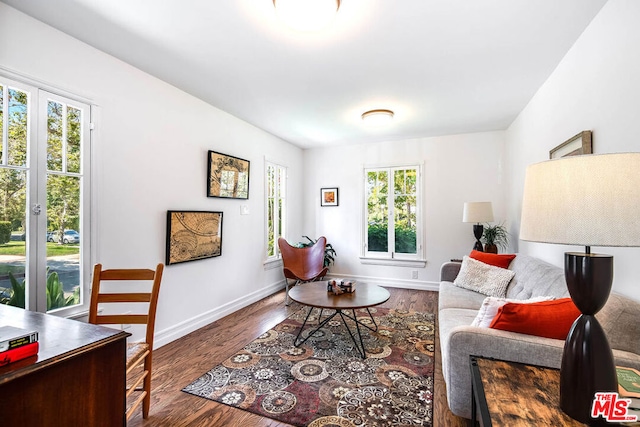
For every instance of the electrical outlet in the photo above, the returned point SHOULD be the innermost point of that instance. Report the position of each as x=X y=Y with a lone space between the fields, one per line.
x=414 y=274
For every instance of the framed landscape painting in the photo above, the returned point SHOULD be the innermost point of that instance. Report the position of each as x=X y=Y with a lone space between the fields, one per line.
x=227 y=176
x=193 y=235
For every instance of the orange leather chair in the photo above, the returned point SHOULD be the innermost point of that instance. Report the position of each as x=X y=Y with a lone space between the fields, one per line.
x=302 y=264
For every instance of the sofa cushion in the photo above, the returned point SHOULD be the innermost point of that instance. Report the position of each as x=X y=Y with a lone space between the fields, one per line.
x=550 y=319
x=491 y=305
x=484 y=278
x=619 y=319
x=497 y=260
x=451 y=296
x=534 y=278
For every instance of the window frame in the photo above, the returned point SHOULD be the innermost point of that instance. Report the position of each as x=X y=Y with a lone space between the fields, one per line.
x=36 y=167
x=390 y=257
x=279 y=221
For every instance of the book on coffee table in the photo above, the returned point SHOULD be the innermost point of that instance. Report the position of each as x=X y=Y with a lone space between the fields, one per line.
x=628 y=382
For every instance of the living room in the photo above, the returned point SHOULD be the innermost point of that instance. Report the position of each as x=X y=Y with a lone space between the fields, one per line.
x=151 y=141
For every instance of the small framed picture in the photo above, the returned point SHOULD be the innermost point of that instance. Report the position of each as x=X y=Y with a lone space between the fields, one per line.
x=329 y=196
x=574 y=146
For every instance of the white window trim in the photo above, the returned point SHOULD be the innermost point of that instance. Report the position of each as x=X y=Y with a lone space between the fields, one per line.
x=39 y=90
x=274 y=261
x=390 y=258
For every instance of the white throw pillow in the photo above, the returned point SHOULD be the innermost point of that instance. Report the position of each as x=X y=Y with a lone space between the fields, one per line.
x=483 y=278
x=490 y=307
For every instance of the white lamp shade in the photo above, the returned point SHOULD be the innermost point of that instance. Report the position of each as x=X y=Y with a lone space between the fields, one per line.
x=589 y=200
x=477 y=212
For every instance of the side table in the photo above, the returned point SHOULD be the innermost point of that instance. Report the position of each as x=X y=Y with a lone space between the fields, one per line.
x=514 y=394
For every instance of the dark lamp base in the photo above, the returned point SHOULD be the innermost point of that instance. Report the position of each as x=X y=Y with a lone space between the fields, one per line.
x=478 y=229
x=587 y=360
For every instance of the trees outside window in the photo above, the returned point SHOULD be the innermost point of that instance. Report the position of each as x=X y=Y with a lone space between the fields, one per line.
x=44 y=192
x=276 y=208
x=392 y=212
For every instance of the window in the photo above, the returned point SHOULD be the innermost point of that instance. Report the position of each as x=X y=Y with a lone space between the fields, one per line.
x=276 y=180
x=393 y=213
x=44 y=199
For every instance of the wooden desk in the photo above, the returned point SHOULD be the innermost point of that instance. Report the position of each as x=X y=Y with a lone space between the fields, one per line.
x=514 y=394
x=76 y=379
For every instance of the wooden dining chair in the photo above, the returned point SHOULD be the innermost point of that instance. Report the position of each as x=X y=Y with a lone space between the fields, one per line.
x=139 y=354
x=302 y=264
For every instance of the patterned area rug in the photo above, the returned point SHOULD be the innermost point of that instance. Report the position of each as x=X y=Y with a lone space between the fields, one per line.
x=325 y=382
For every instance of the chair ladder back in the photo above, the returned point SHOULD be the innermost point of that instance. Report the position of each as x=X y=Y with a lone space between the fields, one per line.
x=142 y=352
x=151 y=297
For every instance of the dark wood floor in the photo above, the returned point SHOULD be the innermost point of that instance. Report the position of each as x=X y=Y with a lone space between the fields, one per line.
x=182 y=361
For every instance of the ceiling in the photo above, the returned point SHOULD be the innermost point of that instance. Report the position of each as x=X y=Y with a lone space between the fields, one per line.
x=443 y=66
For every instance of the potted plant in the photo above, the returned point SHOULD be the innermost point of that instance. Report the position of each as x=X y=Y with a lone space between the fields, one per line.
x=329 y=252
x=494 y=237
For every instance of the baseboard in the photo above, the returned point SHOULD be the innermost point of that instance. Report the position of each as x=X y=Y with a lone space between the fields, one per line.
x=183 y=328
x=419 y=285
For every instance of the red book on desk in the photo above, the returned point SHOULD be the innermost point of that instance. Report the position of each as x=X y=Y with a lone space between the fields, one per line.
x=18 y=353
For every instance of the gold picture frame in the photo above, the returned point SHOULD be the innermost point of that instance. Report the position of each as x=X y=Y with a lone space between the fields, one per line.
x=574 y=146
x=227 y=176
x=193 y=235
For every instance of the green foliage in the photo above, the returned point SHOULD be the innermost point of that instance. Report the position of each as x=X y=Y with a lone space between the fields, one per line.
x=55 y=293
x=5 y=232
x=404 y=221
x=496 y=235
x=405 y=239
x=329 y=252
x=377 y=238
x=63 y=201
x=17 y=296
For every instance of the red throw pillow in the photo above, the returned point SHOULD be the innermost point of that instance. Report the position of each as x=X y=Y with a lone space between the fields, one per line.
x=551 y=319
x=502 y=260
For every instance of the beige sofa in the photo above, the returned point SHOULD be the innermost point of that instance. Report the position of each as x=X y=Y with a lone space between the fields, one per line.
x=458 y=307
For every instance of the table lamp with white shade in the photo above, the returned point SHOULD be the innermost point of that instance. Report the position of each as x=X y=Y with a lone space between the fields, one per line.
x=477 y=212
x=589 y=200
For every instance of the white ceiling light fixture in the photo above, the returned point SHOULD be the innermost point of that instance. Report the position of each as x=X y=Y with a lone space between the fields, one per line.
x=306 y=15
x=377 y=117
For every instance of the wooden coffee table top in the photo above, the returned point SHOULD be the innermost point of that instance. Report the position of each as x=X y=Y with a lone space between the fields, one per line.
x=315 y=294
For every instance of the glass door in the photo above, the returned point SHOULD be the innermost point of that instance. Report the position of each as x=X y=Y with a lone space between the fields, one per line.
x=44 y=204
x=15 y=115
x=63 y=162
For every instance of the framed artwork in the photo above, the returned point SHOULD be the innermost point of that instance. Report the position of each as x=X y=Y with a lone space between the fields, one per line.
x=227 y=176
x=574 y=146
x=193 y=235
x=329 y=196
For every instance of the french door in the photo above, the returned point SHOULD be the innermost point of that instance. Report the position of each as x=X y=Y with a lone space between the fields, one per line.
x=44 y=199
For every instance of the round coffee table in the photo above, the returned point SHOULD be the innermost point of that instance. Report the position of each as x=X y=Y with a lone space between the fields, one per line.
x=315 y=295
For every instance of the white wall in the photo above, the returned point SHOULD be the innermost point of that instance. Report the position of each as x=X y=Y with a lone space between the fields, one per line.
x=456 y=169
x=150 y=156
x=596 y=86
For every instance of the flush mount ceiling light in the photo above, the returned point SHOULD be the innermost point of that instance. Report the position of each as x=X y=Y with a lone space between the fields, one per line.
x=377 y=117
x=306 y=15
